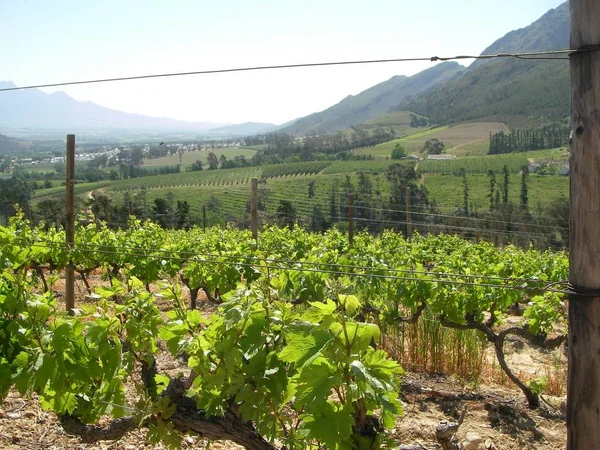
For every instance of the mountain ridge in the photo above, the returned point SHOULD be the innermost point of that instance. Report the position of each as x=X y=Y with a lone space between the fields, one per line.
x=57 y=110
x=516 y=88
x=245 y=128
x=372 y=102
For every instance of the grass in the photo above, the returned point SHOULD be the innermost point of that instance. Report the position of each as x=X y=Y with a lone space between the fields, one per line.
x=300 y=168
x=192 y=157
x=447 y=190
x=399 y=121
x=290 y=182
x=456 y=136
x=376 y=166
x=496 y=163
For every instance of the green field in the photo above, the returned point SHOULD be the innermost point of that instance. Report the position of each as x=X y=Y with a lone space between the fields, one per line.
x=229 y=189
x=496 y=163
x=192 y=157
x=376 y=166
x=456 y=136
x=399 y=121
x=447 y=190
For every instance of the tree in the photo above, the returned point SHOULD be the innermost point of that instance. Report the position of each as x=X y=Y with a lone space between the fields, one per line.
x=213 y=161
x=311 y=189
x=137 y=156
x=213 y=203
x=490 y=195
x=162 y=211
x=463 y=174
x=505 y=184
x=398 y=152
x=318 y=222
x=434 y=147
x=183 y=215
x=524 y=196
x=286 y=213
x=333 y=207
x=51 y=212
x=101 y=206
x=195 y=167
x=14 y=191
x=223 y=161
x=399 y=178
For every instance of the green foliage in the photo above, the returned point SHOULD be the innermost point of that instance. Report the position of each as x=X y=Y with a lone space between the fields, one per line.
x=434 y=147
x=399 y=152
x=291 y=349
x=538 y=385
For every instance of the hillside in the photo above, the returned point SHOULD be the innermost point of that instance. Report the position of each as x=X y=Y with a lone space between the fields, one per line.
x=34 y=108
x=244 y=129
x=500 y=89
x=12 y=145
x=375 y=101
x=549 y=32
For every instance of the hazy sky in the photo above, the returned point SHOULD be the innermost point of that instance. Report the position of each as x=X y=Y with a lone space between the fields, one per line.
x=45 y=41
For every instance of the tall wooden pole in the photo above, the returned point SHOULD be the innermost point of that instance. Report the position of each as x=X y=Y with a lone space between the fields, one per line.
x=351 y=217
x=204 y=217
x=254 y=209
x=583 y=390
x=408 y=217
x=70 y=226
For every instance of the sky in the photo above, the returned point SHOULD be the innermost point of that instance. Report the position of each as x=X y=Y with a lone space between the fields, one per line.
x=64 y=40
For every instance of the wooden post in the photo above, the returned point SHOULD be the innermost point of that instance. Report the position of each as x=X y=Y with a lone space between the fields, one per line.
x=70 y=225
x=204 y=217
x=254 y=209
x=408 y=218
x=583 y=389
x=351 y=217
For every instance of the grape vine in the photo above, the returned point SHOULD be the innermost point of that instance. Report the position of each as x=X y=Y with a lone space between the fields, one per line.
x=290 y=358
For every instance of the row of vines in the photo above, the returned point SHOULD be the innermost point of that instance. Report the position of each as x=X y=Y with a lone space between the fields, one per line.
x=292 y=356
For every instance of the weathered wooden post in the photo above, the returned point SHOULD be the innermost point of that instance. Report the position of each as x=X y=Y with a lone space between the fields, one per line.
x=254 y=209
x=583 y=390
x=351 y=217
x=408 y=216
x=70 y=223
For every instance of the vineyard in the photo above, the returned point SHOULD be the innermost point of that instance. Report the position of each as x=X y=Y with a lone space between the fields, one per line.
x=467 y=134
x=483 y=164
x=294 y=356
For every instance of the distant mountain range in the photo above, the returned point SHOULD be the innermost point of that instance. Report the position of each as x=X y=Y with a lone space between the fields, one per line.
x=508 y=89
x=511 y=90
x=12 y=145
x=58 y=111
x=244 y=129
x=374 y=101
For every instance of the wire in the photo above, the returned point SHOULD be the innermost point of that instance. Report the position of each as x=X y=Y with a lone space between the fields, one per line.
x=330 y=272
x=217 y=258
x=530 y=55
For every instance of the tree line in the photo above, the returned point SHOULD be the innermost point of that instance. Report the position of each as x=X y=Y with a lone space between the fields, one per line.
x=528 y=139
x=280 y=147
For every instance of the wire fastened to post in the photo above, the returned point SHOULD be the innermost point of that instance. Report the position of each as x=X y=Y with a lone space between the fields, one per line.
x=548 y=55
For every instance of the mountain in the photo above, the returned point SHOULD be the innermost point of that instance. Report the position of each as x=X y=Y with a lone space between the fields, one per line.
x=244 y=129
x=549 y=32
x=374 y=101
x=512 y=90
x=34 y=108
x=12 y=145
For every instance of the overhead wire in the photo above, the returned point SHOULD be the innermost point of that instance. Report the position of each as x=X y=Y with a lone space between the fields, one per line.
x=330 y=272
x=218 y=258
x=552 y=54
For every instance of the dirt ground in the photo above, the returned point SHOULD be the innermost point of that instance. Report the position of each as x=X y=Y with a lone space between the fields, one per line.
x=496 y=417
